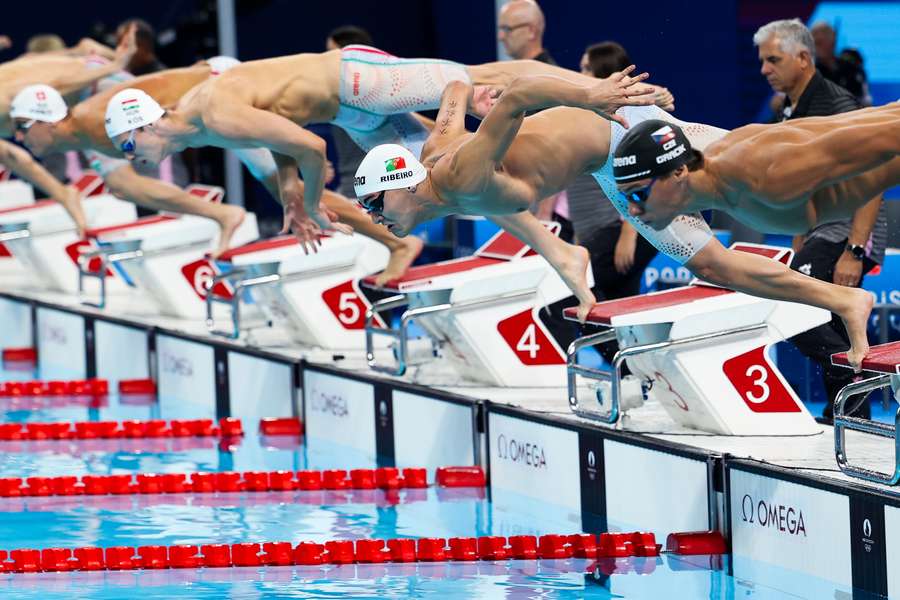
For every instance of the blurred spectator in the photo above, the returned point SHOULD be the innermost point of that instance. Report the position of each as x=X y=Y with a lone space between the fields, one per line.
x=845 y=70
x=45 y=42
x=144 y=60
x=349 y=155
x=347 y=35
x=5 y=42
x=520 y=28
x=842 y=251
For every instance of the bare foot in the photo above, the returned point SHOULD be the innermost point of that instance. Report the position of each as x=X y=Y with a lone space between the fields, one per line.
x=856 y=319
x=574 y=273
x=401 y=259
x=231 y=220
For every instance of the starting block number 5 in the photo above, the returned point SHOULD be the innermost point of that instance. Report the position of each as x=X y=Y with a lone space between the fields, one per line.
x=757 y=383
x=347 y=305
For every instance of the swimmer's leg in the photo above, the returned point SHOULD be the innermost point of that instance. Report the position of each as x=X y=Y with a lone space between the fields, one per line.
x=571 y=262
x=766 y=278
x=159 y=195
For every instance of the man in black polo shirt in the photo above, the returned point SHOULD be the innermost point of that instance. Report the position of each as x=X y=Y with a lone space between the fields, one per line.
x=843 y=251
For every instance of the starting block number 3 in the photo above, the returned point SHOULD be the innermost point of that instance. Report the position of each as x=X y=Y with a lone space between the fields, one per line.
x=757 y=384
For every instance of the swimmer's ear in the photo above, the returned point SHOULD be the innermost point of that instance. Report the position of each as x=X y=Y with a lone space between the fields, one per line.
x=412 y=189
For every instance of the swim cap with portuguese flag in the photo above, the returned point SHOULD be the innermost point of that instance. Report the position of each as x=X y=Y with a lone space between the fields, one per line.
x=650 y=149
x=387 y=167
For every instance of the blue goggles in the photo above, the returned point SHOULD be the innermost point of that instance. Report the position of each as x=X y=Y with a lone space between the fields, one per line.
x=639 y=196
x=373 y=204
x=128 y=145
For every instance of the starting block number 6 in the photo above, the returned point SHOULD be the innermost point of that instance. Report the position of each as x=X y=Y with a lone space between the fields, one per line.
x=757 y=384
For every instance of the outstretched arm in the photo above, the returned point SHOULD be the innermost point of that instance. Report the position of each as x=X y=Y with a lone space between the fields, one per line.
x=24 y=166
x=243 y=125
x=81 y=75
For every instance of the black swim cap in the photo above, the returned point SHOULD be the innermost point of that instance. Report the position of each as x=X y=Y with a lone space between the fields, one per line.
x=650 y=149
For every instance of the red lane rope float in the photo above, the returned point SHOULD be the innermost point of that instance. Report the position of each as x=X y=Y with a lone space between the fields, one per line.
x=137 y=386
x=386 y=478
x=696 y=542
x=336 y=552
x=91 y=430
x=281 y=426
x=19 y=355
x=460 y=477
x=74 y=387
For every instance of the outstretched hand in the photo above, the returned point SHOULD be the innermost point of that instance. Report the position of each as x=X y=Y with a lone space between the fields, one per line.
x=308 y=227
x=127 y=46
x=483 y=99
x=618 y=90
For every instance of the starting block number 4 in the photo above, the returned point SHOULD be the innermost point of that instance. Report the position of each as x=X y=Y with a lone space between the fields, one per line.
x=757 y=383
x=528 y=340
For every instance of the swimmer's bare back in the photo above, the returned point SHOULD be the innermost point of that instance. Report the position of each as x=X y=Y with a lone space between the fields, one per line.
x=790 y=177
x=549 y=151
x=303 y=88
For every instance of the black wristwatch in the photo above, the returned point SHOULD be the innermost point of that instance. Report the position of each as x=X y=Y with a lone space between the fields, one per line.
x=856 y=251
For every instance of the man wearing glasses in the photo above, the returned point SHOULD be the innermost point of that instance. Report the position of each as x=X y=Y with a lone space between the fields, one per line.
x=512 y=159
x=520 y=28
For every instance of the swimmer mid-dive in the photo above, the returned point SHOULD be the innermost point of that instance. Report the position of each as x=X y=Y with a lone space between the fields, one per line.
x=512 y=160
x=83 y=128
x=265 y=104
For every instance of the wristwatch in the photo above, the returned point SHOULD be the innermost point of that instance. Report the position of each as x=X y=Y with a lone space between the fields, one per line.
x=856 y=251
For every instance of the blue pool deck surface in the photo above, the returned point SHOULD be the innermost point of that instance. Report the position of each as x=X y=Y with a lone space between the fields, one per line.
x=320 y=516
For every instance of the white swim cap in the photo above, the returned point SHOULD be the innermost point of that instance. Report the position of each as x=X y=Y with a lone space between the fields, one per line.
x=220 y=64
x=387 y=167
x=40 y=102
x=130 y=109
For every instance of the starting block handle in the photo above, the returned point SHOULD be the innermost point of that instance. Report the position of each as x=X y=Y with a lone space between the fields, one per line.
x=234 y=302
x=842 y=422
x=83 y=265
x=372 y=329
x=614 y=376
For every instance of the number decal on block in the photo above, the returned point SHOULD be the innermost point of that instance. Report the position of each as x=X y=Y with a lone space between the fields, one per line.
x=199 y=274
x=74 y=251
x=757 y=384
x=348 y=305
x=527 y=339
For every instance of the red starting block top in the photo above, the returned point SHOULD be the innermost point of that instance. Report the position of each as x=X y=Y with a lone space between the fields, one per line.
x=142 y=222
x=884 y=358
x=258 y=246
x=424 y=274
x=603 y=312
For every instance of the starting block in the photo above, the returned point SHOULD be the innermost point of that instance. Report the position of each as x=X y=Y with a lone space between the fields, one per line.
x=884 y=359
x=162 y=255
x=480 y=313
x=315 y=297
x=14 y=192
x=37 y=235
x=703 y=353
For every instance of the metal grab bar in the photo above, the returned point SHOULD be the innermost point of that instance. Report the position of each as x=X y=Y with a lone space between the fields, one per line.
x=240 y=281
x=401 y=334
x=119 y=252
x=614 y=375
x=843 y=422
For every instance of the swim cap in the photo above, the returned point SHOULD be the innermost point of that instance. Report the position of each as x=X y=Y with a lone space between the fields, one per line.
x=650 y=149
x=130 y=109
x=39 y=102
x=220 y=64
x=387 y=167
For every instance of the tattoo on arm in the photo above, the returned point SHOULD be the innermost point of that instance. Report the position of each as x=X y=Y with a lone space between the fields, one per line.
x=448 y=116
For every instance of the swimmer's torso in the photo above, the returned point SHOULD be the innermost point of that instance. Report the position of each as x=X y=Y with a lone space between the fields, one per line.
x=551 y=148
x=303 y=87
x=764 y=167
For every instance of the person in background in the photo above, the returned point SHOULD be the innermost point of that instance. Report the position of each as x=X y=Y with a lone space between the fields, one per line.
x=144 y=60
x=520 y=28
x=349 y=155
x=845 y=70
x=45 y=42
